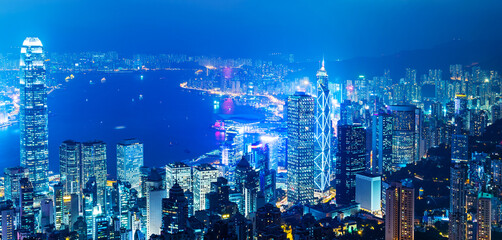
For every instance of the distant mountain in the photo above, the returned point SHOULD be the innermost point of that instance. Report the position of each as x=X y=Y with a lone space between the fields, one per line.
x=488 y=54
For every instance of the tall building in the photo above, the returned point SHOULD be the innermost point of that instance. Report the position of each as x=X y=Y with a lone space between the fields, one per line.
x=70 y=166
x=94 y=165
x=154 y=211
x=459 y=148
x=369 y=191
x=174 y=211
x=399 y=213
x=33 y=115
x=458 y=203
x=180 y=173
x=484 y=217
x=8 y=215
x=351 y=160
x=203 y=176
x=323 y=127
x=301 y=123
x=129 y=162
x=27 y=212
x=381 y=158
x=11 y=183
x=59 y=205
x=405 y=134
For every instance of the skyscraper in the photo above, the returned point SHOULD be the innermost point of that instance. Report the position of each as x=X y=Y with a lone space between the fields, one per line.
x=322 y=159
x=94 y=165
x=381 y=159
x=204 y=175
x=70 y=166
x=8 y=214
x=129 y=162
x=351 y=161
x=405 y=135
x=301 y=123
x=33 y=115
x=399 y=213
x=27 y=213
x=180 y=173
x=11 y=183
x=458 y=205
x=484 y=216
x=174 y=211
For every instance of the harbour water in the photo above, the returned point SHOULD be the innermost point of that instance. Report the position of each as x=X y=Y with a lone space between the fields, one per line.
x=174 y=123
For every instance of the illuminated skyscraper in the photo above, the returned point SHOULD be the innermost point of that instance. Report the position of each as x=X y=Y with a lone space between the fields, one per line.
x=11 y=183
x=301 y=123
x=8 y=214
x=458 y=204
x=351 y=160
x=405 y=134
x=381 y=158
x=484 y=216
x=322 y=160
x=180 y=173
x=129 y=162
x=27 y=213
x=399 y=213
x=204 y=175
x=33 y=115
x=94 y=165
x=70 y=166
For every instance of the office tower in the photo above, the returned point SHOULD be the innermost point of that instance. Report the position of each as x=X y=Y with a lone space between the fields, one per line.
x=203 y=176
x=381 y=158
x=218 y=200
x=89 y=203
x=8 y=214
x=246 y=185
x=94 y=165
x=399 y=212
x=154 y=211
x=59 y=205
x=479 y=121
x=458 y=204
x=322 y=154
x=351 y=160
x=33 y=115
x=69 y=166
x=11 y=183
x=461 y=114
x=125 y=203
x=102 y=228
x=301 y=123
x=46 y=213
x=174 y=211
x=459 y=148
x=27 y=212
x=80 y=227
x=368 y=192
x=180 y=173
x=484 y=216
x=405 y=134
x=129 y=162
x=346 y=113
x=75 y=201
x=260 y=156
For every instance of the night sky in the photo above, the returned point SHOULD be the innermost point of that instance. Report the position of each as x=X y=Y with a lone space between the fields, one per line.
x=249 y=28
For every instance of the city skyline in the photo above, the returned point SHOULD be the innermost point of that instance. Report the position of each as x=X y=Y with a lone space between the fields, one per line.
x=360 y=120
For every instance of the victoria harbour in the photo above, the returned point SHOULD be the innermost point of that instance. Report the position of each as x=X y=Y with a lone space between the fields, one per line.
x=174 y=123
